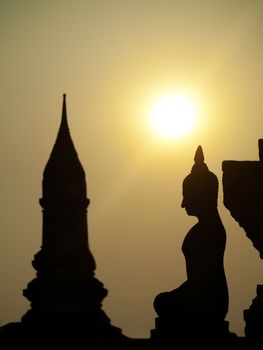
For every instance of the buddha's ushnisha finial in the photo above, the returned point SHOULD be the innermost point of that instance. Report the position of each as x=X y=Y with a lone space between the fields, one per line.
x=199 y=163
x=199 y=155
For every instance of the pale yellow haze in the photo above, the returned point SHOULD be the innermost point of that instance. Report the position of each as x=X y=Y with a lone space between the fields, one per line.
x=146 y=83
x=173 y=116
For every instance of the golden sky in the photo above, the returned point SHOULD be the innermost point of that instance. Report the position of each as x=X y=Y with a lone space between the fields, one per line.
x=114 y=59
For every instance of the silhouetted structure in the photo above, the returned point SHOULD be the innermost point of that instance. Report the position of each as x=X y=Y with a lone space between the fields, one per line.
x=65 y=296
x=195 y=311
x=243 y=196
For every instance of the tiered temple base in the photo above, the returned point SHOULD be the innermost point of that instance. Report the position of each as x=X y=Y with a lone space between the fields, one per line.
x=66 y=306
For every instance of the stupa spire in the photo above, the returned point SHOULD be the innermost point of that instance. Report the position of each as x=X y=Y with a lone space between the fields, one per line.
x=64 y=118
x=63 y=171
x=63 y=147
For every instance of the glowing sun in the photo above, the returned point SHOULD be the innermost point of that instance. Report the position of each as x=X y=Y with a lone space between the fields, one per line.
x=173 y=116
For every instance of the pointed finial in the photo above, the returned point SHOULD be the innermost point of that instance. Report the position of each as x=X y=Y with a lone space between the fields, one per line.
x=64 y=107
x=64 y=123
x=63 y=150
x=199 y=155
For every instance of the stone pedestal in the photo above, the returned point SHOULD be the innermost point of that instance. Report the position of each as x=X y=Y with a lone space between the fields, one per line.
x=196 y=332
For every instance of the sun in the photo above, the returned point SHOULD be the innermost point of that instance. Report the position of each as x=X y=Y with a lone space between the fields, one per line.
x=173 y=116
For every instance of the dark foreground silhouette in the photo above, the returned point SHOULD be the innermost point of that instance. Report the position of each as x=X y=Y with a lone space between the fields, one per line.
x=66 y=297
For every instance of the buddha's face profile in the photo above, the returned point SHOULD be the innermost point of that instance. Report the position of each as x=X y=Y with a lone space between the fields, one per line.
x=200 y=195
x=190 y=204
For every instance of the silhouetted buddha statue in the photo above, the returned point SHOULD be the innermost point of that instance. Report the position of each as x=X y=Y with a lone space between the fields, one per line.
x=203 y=298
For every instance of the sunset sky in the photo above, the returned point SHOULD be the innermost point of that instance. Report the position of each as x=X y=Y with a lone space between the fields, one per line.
x=114 y=60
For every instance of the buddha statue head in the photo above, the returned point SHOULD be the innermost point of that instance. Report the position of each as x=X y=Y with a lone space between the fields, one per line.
x=200 y=188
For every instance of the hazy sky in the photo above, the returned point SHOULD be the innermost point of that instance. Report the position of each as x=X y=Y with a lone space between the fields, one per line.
x=113 y=59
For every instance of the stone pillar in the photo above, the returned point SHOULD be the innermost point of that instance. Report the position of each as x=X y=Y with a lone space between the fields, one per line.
x=243 y=196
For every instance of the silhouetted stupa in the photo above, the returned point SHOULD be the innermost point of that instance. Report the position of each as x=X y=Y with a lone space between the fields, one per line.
x=65 y=296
